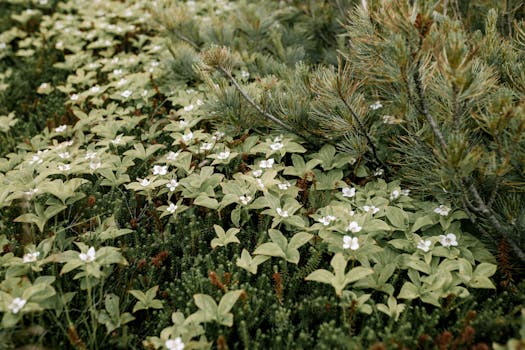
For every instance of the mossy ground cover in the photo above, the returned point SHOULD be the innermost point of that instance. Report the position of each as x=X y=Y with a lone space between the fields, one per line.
x=167 y=182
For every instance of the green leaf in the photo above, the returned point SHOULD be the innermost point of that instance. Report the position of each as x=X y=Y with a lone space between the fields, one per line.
x=224 y=238
x=421 y=222
x=408 y=291
x=205 y=201
x=299 y=239
x=228 y=300
x=207 y=305
x=250 y=264
x=397 y=217
x=321 y=275
x=270 y=249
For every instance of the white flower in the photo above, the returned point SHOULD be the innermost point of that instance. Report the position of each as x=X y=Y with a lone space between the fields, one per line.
x=351 y=212
x=395 y=194
x=64 y=155
x=257 y=172
x=217 y=135
x=245 y=74
x=182 y=124
x=354 y=227
x=187 y=137
x=326 y=220
x=206 y=146
x=172 y=155
x=30 y=257
x=199 y=102
x=64 y=167
x=95 y=89
x=350 y=242
x=188 y=108
x=379 y=172
x=276 y=146
x=74 y=97
x=145 y=93
x=160 y=170
x=36 y=159
x=171 y=209
x=122 y=82
x=448 y=240
x=223 y=155
x=260 y=183
x=95 y=165
x=174 y=344
x=89 y=256
x=442 y=210
x=284 y=185
x=370 y=208
x=424 y=245
x=172 y=185
x=31 y=193
x=2 y=45
x=16 y=305
x=126 y=93
x=61 y=128
x=245 y=199
x=348 y=192
x=117 y=71
x=282 y=213
x=117 y=140
x=266 y=164
x=388 y=119
x=376 y=105
x=90 y=155
x=405 y=192
x=144 y=182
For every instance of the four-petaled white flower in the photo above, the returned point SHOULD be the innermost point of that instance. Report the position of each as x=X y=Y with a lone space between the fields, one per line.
x=348 y=192
x=172 y=185
x=188 y=108
x=160 y=170
x=257 y=173
x=90 y=155
x=117 y=71
x=95 y=89
x=144 y=182
x=64 y=167
x=354 y=227
x=276 y=146
x=370 y=208
x=326 y=220
x=172 y=155
x=61 y=128
x=89 y=256
x=223 y=155
x=448 y=240
x=2 y=45
x=16 y=305
x=122 y=82
x=245 y=199
x=260 y=184
x=350 y=242
x=199 y=102
x=117 y=140
x=405 y=192
x=126 y=93
x=74 y=97
x=424 y=245
x=442 y=210
x=30 y=257
x=187 y=137
x=64 y=155
x=266 y=164
x=94 y=165
x=217 y=135
x=171 y=209
x=206 y=146
x=379 y=172
x=183 y=123
x=36 y=159
x=174 y=344
x=376 y=105
x=31 y=193
x=395 y=194
x=284 y=185
x=245 y=74
x=281 y=212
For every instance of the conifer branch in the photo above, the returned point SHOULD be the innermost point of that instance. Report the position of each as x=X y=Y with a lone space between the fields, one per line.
x=362 y=128
x=255 y=105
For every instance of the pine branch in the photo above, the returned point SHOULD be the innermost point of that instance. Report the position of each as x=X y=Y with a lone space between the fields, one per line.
x=254 y=104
